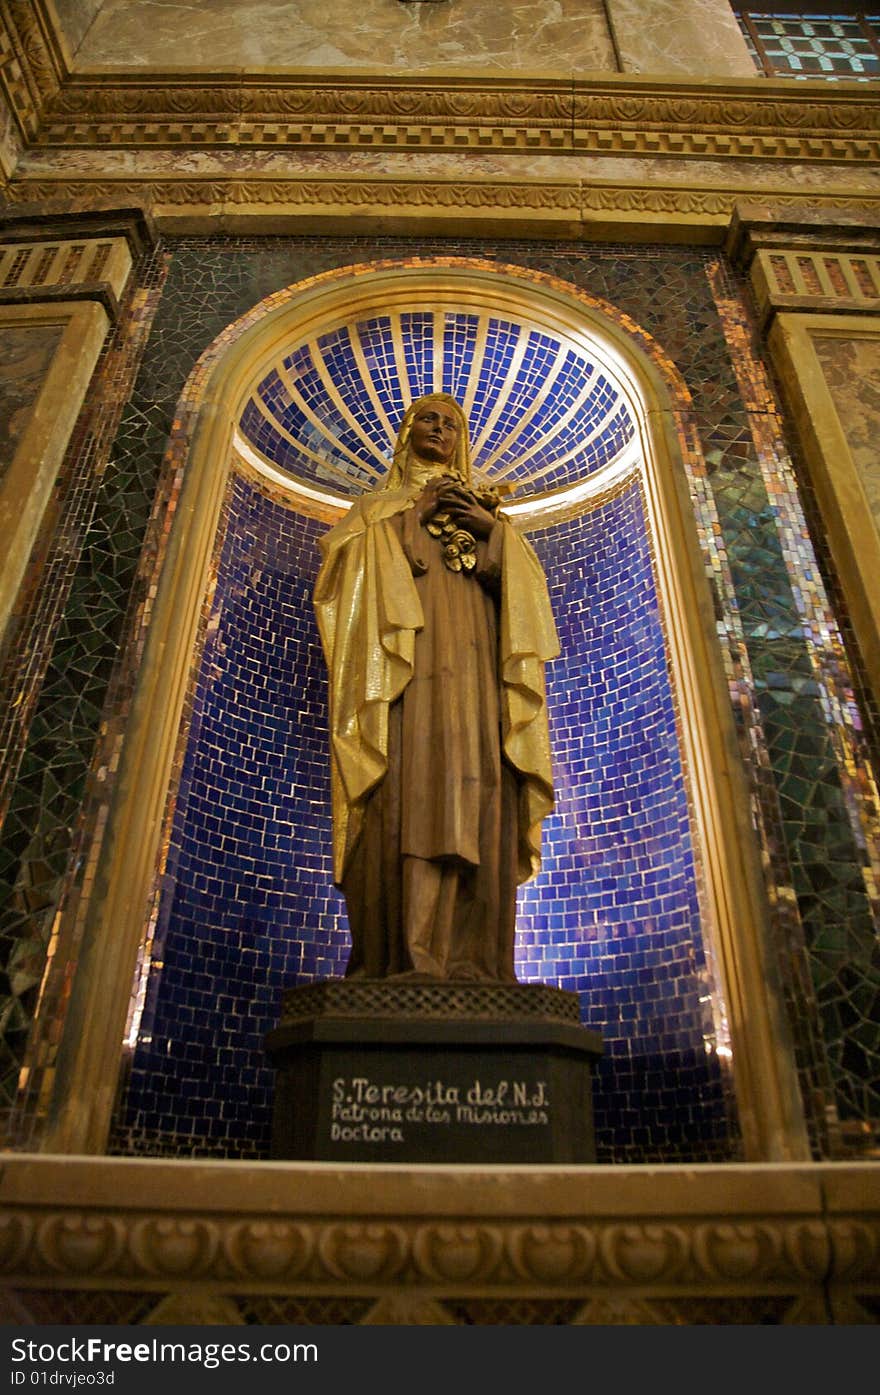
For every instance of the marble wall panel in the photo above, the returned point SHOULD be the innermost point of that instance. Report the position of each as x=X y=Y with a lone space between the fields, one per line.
x=75 y=18
x=852 y=372
x=557 y=36
x=25 y=354
x=683 y=37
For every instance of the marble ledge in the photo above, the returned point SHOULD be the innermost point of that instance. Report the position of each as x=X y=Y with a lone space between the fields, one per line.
x=763 y=177
x=802 y=1232
x=729 y=1191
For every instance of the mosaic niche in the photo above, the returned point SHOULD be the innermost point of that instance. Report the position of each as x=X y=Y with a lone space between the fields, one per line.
x=799 y=726
x=247 y=906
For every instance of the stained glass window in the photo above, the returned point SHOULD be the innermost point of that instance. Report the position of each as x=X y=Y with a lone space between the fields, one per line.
x=839 y=43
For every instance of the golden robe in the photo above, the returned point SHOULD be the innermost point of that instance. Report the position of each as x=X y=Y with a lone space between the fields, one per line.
x=440 y=754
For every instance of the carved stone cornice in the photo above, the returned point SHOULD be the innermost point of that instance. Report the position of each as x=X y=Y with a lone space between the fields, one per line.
x=120 y=222
x=757 y=226
x=292 y=1228
x=617 y=115
x=817 y=265
x=744 y=122
x=67 y=257
x=327 y=192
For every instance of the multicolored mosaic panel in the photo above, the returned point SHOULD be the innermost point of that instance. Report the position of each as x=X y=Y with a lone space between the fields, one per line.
x=66 y=631
x=811 y=721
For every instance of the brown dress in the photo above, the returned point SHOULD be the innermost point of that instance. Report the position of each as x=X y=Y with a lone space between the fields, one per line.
x=430 y=882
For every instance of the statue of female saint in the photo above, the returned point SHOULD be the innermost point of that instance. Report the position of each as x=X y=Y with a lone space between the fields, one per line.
x=436 y=625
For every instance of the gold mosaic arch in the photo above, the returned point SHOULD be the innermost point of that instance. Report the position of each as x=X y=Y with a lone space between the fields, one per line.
x=207 y=445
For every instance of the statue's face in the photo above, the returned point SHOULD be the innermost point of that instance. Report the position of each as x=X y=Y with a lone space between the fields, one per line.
x=434 y=433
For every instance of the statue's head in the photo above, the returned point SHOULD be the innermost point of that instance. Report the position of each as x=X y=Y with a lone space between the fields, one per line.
x=434 y=432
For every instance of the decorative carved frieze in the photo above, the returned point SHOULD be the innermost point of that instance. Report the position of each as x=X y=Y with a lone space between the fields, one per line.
x=825 y=266
x=586 y=1233
x=855 y=1242
x=570 y=204
x=613 y=116
x=30 y=67
x=334 y=1252
x=617 y=113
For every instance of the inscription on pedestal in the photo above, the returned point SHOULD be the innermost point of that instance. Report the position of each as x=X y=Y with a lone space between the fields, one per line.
x=367 y=1110
x=458 y=1075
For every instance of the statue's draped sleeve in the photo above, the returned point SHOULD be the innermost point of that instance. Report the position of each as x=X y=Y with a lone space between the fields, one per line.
x=527 y=639
x=368 y=613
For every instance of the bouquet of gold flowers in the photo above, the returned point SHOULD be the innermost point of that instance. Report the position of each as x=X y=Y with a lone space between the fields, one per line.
x=460 y=546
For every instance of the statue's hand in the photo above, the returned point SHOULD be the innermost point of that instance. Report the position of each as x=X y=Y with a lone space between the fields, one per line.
x=467 y=513
x=429 y=500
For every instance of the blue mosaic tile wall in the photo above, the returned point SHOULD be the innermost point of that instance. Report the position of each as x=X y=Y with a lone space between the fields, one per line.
x=250 y=910
x=249 y=907
x=614 y=914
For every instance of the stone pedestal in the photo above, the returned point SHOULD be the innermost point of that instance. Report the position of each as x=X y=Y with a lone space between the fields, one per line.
x=387 y=1070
